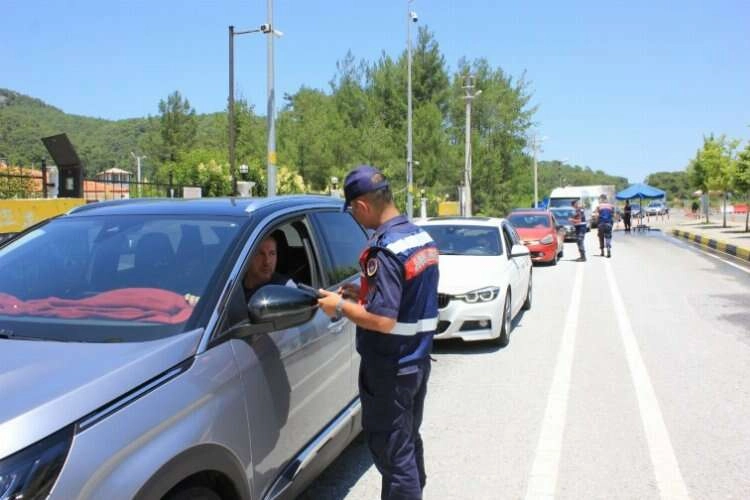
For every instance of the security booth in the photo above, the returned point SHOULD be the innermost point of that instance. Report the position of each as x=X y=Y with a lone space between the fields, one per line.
x=70 y=170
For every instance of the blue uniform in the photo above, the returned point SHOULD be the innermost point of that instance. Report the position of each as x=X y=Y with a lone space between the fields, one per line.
x=579 y=220
x=606 y=217
x=399 y=280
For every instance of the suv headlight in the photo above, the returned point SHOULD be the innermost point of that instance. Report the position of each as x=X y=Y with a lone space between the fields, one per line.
x=482 y=295
x=31 y=472
x=547 y=240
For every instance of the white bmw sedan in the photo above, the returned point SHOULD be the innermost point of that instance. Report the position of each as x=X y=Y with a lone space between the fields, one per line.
x=485 y=277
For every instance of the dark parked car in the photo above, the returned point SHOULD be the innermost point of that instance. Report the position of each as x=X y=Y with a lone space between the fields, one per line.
x=115 y=385
x=563 y=215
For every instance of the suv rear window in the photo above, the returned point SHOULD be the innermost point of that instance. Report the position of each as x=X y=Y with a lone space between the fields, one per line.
x=465 y=240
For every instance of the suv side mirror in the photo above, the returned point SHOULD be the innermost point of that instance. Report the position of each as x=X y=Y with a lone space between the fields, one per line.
x=281 y=306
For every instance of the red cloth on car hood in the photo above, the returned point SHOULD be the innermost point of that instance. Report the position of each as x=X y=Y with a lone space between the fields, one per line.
x=134 y=304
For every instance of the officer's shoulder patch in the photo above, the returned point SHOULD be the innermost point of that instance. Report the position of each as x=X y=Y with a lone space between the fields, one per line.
x=372 y=266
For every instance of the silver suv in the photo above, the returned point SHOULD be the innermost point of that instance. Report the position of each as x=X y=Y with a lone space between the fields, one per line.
x=132 y=365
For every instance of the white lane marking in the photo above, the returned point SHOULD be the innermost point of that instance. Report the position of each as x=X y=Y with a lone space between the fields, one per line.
x=727 y=262
x=666 y=469
x=543 y=479
x=701 y=250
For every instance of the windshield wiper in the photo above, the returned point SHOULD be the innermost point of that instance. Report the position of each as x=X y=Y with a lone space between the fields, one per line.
x=8 y=334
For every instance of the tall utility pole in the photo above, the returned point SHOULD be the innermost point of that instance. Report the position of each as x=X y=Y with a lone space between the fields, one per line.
x=535 y=149
x=271 y=168
x=470 y=95
x=411 y=17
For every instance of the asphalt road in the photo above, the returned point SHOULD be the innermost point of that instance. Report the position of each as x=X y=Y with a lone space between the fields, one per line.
x=629 y=378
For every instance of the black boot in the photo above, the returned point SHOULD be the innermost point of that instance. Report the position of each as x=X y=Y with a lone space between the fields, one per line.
x=609 y=253
x=602 y=252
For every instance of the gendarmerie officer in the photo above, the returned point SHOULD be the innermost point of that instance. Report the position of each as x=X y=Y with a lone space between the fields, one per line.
x=396 y=317
x=579 y=221
x=606 y=218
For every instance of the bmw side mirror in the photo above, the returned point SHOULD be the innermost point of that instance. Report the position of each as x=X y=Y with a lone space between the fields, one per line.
x=281 y=306
x=519 y=251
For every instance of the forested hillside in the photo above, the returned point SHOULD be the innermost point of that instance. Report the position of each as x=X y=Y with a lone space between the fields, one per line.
x=323 y=133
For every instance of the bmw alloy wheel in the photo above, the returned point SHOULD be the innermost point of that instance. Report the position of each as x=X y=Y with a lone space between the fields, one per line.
x=504 y=338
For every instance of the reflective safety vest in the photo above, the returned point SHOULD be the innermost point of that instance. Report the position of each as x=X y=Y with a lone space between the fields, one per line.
x=606 y=213
x=410 y=340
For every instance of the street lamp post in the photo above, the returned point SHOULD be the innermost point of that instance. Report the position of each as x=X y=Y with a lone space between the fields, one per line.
x=470 y=95
x=138 y=169
x=410 y=18
x=230 y=118
x=271 y=160
x=535 y=147
x=271 y=167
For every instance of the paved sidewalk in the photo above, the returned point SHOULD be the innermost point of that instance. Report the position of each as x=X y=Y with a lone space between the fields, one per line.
x=731 y=240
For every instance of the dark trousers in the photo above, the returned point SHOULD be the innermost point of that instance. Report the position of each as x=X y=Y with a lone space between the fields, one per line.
x=392 y=408
x=605 y=235
x=626 y=221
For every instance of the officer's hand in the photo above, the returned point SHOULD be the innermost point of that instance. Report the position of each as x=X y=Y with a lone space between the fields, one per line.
x=328 y=301
x=349 y=291
x=191 y=299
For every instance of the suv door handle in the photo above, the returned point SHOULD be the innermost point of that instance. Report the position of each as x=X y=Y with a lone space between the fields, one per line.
x=337 y=326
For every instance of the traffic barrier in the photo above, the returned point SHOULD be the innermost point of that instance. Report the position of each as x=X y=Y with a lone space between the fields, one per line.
x=721 y=246
x=17 y=215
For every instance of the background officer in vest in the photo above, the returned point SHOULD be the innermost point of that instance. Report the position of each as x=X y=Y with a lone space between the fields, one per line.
x=606 y=213
x=396 y=317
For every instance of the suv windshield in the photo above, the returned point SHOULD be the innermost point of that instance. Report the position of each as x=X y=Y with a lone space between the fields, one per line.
x=109 y=279
x=465 y=240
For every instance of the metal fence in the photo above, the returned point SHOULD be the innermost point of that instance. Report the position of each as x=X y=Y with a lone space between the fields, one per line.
x=102 y=189
x=18 y=182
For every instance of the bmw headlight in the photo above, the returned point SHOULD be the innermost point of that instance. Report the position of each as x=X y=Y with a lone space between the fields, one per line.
x=547 y=240
x=31 y=472
x=482 y=295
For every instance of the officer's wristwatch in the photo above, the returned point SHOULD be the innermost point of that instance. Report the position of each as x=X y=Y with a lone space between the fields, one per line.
x=340 y=308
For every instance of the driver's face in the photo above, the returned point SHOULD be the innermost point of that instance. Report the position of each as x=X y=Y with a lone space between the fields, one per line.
x=263 y=262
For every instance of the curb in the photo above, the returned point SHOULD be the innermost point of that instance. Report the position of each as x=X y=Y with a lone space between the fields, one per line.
x=721 y=246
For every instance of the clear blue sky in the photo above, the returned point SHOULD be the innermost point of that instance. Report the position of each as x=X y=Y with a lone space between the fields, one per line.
x=629 y=87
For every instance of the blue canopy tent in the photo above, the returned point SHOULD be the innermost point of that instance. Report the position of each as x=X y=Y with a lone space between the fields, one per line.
x=640 y=191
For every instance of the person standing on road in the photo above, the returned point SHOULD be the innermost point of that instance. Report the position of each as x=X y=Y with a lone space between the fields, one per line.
x=604 y=228
x=579 y=221
x=396 y=317
x=626 y=213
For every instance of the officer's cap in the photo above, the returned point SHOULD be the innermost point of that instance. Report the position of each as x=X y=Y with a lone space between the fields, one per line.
x=362 y=180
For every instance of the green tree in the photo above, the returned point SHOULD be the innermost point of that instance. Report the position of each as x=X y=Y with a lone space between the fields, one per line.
x=676 y=184
x=718 y=157
x=177 y=126
x=697 y=173
x=741 y=182
x=312 y=138
x=501 y=117
x=204 y=168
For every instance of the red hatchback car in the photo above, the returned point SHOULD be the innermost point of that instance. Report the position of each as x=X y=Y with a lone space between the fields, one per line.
x=540 y=232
